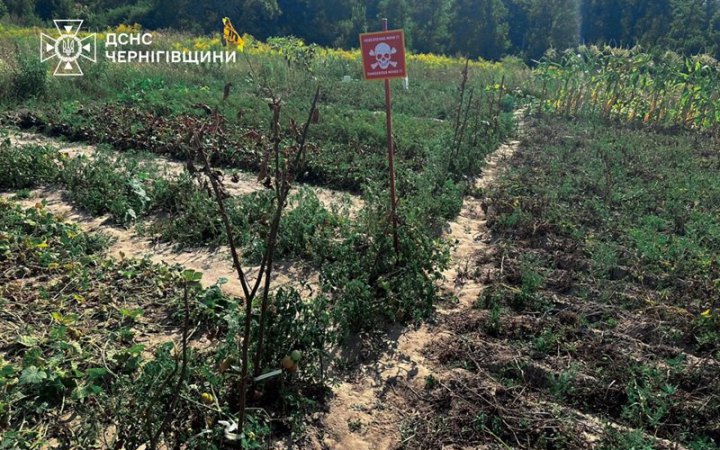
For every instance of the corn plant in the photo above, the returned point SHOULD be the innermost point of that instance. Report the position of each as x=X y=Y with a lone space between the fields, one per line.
x=628 y=85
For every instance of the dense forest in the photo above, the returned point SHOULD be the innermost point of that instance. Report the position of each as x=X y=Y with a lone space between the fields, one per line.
x=479 y=28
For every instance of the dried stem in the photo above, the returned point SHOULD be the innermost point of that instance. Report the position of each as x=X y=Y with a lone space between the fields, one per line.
x=282 y=186
x=462 y=99
x=282 y=183
x=460 y=136
x=241 y=276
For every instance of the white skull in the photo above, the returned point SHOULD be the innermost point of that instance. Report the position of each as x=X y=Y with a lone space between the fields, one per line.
x=383 y=53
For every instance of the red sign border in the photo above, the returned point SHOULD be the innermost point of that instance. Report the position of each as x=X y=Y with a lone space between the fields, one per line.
x=404 y=62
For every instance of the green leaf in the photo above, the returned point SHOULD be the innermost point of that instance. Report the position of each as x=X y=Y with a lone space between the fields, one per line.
x=191 y=276
x=64 y=320
x=32 y=375
x=136 y=349
x=6 y=371
x=131 y=313
x=96 y=373
x=83 y=392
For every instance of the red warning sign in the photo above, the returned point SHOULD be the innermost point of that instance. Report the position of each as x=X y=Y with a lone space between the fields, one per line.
x=383 y=54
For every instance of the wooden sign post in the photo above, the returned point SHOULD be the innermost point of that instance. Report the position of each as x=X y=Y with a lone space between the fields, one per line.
x=383 y=56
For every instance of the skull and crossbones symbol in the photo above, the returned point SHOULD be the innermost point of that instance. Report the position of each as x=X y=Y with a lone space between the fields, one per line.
x=383 y=54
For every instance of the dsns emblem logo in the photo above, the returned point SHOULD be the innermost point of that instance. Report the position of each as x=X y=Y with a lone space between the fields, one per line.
x=68 y=48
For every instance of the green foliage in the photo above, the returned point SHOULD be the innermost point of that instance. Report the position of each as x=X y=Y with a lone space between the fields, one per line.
x=30 y=80
x=108 y=185
x=480 y=28
x=431 y=25
x=489 y=28
x=547 y=342
x=295 y=324
x=707 y=329
x=307 y=230
x=530 y=282
x=631 y=86
x=611 y=261
x=615 y=439
x=604 y=258
x=555 y=24
x=192 y=218
x=703 y=444
x=492 y=324
x=649 y=398
x=129 y=381
x=562 y=385
x=294 y=51
x=61 y=368
x=34 y=240
x=27 y=166
x=372 y=286
x=661 y=223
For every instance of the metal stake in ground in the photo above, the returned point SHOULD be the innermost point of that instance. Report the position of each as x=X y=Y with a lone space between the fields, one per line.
x=383 y=57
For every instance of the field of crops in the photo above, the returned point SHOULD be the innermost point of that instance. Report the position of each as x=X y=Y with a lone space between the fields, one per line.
x=201 y=256
x=668 y=91
x=599 y=324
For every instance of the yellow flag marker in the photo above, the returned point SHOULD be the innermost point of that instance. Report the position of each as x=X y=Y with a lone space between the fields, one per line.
x=230 y=35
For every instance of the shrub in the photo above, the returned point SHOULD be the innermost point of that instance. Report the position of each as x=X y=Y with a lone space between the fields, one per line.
x=297 y=324
x=193 y=218
x=27 y=166
x=307 y=230
x=105 y=185
x=31 y=79
x=373 y=285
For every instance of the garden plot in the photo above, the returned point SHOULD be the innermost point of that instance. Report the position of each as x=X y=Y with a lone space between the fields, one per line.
x=118 y=342
x=591 y=332
x=214 y=263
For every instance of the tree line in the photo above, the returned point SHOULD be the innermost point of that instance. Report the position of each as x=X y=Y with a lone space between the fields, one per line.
x=489 y=29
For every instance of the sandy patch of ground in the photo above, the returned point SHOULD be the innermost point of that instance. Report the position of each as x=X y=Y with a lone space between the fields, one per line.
x=23 y=138
x=213 y=263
